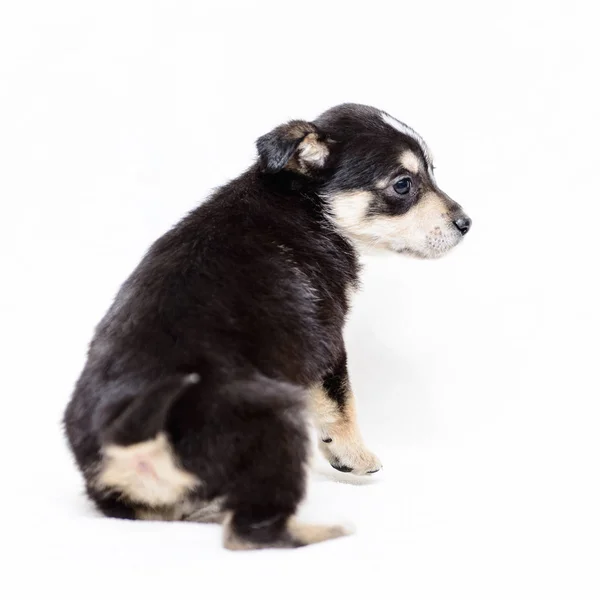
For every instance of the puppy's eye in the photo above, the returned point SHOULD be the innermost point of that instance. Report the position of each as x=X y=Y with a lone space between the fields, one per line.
x=403 y=186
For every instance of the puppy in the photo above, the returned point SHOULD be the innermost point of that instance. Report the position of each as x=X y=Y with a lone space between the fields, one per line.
x=200 y=380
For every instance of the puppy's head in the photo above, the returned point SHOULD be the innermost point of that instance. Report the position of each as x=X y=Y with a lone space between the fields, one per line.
x=375 y=175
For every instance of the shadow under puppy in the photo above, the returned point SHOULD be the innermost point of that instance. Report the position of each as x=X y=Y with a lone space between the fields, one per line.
x=202 y=377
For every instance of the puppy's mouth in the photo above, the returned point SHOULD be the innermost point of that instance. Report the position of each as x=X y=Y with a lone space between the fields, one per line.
x=443 y=238
x=436 y=244
x=439 y=243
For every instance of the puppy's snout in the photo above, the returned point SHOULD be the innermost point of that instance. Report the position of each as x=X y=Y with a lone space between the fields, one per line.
x=463 y=224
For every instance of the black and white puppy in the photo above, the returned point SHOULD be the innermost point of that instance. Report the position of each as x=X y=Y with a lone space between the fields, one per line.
x=195 y=400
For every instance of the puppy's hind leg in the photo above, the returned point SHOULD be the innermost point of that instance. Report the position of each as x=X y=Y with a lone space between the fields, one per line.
x=269 y=477
x=138 y=464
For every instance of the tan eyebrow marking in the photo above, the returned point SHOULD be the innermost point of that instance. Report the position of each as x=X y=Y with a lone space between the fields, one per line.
x=410 y=161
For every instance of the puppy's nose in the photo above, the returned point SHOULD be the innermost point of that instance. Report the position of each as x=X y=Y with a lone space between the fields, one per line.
x=463 y=224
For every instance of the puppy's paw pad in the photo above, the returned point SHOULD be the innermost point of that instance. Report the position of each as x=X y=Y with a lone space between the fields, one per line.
x=342 y=468
x=350 y=458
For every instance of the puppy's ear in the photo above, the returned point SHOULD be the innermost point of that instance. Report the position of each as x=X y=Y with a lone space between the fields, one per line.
x=295 y=146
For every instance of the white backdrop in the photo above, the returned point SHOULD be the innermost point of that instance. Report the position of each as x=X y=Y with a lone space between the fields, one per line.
x=475 y=375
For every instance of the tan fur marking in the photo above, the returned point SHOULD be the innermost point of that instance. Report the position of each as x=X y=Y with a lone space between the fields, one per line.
x=324 y=409
x=349 y=209
x=346 y=447
x=428 y=213
x=425 y=229
x=145 y=472
x=298 y=534
x=410 y=161
x=312 y=151
x=307 y=533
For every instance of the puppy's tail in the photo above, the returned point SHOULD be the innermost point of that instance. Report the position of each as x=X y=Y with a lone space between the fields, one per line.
x=132 y=419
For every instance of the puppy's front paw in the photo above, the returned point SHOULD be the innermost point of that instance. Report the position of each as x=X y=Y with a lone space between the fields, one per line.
x=349 y=457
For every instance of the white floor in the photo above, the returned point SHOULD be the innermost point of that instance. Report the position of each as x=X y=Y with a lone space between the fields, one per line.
x=476 y=375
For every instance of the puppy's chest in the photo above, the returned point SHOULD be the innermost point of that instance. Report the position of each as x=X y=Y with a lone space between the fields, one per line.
x=326 y=292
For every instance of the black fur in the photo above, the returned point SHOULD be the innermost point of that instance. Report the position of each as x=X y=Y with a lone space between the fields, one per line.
x=335 y=383
x=248 y=291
